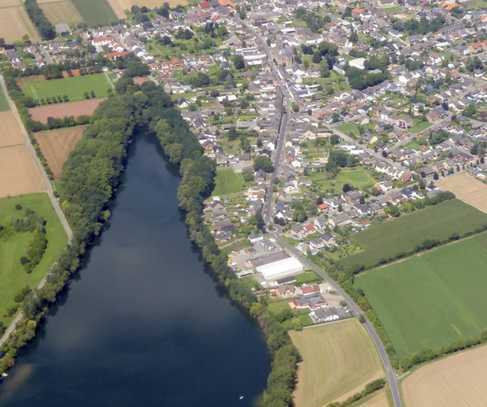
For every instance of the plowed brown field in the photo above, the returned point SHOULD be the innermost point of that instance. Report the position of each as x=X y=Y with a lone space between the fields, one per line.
x=56 y=145
x=60 y=110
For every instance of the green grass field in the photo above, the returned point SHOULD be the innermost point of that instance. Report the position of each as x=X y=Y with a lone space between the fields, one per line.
x=228 y=182
x=74 y=87
x=338 y=359
x=350 y=129
x=400 y=236
x=358 y=177
x=12 y=277
x=95 y=12
x=3 y=101
x=432 y=300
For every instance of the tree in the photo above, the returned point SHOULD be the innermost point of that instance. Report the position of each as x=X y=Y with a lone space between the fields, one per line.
x=324 y=69
x=263 y=163
x=238 y=62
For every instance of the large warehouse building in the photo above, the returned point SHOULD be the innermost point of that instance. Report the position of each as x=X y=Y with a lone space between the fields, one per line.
x=280 y=269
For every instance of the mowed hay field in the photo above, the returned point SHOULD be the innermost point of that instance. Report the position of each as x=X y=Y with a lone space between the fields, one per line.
x=56 y=145
x=339 y=359
x=12 y=277
x=15 y=23
x=60 y=11
x=456 y=381
x=119 y=6
x=467 y=188
x=390 y=239
x=95 y=12
x=377 y=400
x=9 y=130
x=432 y=300
x=60 y=110
x=74 y=87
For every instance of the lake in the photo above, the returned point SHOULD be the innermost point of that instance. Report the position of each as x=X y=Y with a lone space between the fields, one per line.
x=143 y=323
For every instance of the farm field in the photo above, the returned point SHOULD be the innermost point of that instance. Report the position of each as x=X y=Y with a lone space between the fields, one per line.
x=95 y=12
x=56 y=145
x=74 y=87
x=431 y=300
x=119 y=6
x=458 y=380
x=15 y=23
x=228 y=182
x=12 y=277
x=3 y=101
x=10 y=134
x=466 y=188
x=358 y=177
x=399 y=236
x=60 y=110
x=338 y=361
x=60 y=11
x=377 y=400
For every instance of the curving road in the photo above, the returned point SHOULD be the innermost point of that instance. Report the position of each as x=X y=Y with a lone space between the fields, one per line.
x=391 y=376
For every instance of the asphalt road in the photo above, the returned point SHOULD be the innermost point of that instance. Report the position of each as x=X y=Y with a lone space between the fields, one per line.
x=386 y=363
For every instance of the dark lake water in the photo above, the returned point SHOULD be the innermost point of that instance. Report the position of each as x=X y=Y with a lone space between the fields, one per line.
x=143 y=325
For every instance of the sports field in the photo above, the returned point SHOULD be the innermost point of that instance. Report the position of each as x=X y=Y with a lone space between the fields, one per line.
x=431 y=300
x=458 y=380
x=467 y=188
x=13 y=246
x=56 y=145
x=339 y=359
x=400 y=236
x=95 y=12
x=228 y=182
x=74 y=87
x=60 y=11
x=15 y=23
x=357 y=177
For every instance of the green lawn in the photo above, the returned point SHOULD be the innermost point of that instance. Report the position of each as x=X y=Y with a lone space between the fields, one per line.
x=3 y=101
x=95 y=12
x=432 y=300
x=74 y=87
x=13 y=246
x=228 y=182
x=358 y=177
x=476 y=5
x=350 y=129
x=419 y=125
x=400 y=236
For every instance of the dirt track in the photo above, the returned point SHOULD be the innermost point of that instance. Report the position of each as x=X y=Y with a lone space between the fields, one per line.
x=466 y=188
x=56 y=145
x=457 y=381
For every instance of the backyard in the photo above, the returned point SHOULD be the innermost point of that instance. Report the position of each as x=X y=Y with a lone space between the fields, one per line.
x=357 y=177
x=228 y=182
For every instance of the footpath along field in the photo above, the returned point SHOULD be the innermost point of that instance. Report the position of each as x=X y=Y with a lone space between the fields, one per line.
x=14 y=245
x=391 y=239
x=339 y=359
x=74 y=88
x=433 y=300
x=458 y=380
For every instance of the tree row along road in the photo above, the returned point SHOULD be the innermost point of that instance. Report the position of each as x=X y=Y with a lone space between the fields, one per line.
x=50 y=192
